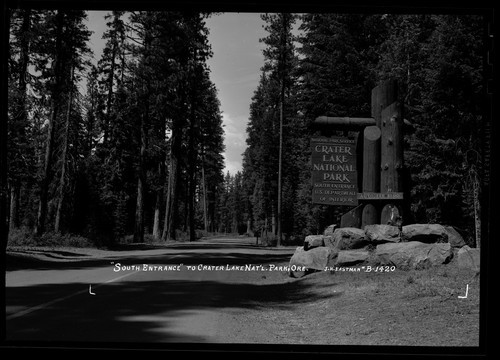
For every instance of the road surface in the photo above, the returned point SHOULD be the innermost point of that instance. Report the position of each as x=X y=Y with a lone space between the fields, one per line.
x=186 y=292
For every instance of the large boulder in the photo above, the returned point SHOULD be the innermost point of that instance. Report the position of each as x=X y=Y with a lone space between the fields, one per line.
x=454 y=238
x=468 y=257
x=330 y=230
x=413 y=254
x=312 y=241
x=351 y=257
x=379 y=234
x=312 y=259
x=346 y=239
x=427 y=233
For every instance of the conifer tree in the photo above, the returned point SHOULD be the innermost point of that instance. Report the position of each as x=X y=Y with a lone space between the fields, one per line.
x=67 y=45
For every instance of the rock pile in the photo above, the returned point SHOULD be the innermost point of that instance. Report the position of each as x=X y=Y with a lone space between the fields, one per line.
x=415 y=246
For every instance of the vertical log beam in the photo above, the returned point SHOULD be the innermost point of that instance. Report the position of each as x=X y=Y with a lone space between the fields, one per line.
x=371 y=159
x=390 y=215
x=371 y=172
x=392 y=149
x=391 y=175
x=369 y=216
x=382 y=96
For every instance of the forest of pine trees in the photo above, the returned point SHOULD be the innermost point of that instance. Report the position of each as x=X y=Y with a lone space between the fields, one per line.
x=329 y=69
x=137 y=151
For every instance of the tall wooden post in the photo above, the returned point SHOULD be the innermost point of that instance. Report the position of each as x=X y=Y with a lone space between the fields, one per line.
x=371 y=159
x=391 y=179
x=371 y=172
x=392 y=149
x=382 y=95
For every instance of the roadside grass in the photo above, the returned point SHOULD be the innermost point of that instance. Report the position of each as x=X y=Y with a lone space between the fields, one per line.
x=404 y=307
x=440 y=281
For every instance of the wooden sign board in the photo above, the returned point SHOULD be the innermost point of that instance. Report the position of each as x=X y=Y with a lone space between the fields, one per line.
x=334 y=173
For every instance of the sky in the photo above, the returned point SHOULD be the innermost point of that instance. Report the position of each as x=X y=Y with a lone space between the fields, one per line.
x=234 y=69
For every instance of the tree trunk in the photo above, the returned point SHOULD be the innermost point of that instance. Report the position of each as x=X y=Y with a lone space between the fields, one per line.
x=22 y=118
x=280 y=161
x=141 y=183
x=109 y=95
x=171 y=204
x=46 y=175
x=4 y=191
x=249 y=227
x=14 y=206
x=160 y=193
x=273 y=218
x=90 y=129
x=477 y=209
x=143 y=127
x=159 y=201
x=282 y=110
x=192 y=168
x=44 y=183
x=204 y=188
x=62 y=180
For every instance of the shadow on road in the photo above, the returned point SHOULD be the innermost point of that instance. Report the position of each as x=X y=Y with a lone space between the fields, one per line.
x=137 y=312
x=140 y=312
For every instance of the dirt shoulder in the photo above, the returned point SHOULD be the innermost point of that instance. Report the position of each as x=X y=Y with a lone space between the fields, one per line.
x=407 y=308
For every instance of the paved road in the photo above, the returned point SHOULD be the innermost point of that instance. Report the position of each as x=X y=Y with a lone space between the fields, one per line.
x=189 y=292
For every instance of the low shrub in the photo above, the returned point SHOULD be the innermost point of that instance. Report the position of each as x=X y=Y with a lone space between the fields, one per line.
x=24 y=237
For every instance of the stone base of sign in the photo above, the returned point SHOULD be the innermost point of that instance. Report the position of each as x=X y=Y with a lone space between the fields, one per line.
x=417 y=246
x=413 y=254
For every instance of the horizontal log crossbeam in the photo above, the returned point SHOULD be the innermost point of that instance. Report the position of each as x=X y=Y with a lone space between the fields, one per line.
x=353 y=122
x=380 y=196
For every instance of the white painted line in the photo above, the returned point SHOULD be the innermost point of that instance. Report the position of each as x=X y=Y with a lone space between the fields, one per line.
x=44 y=305
x=466 y=293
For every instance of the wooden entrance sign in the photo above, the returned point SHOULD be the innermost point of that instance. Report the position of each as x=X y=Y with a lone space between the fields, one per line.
x=334 y=173
x=380 y=140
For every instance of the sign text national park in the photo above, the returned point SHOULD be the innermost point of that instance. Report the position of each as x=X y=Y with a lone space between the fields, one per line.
x=334 y=175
